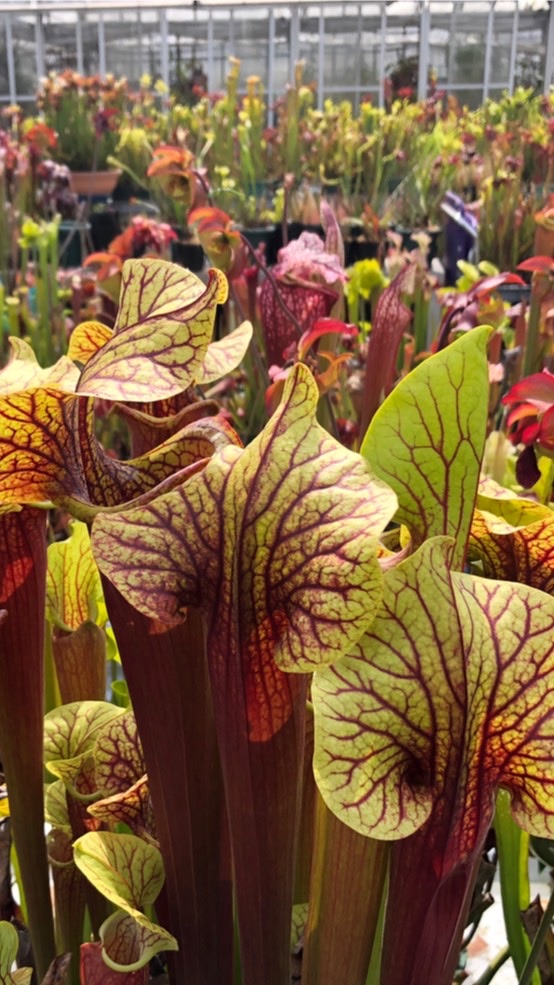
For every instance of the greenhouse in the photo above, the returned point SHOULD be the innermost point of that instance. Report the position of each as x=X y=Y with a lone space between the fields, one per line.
x=478 y=48
x=276 y=492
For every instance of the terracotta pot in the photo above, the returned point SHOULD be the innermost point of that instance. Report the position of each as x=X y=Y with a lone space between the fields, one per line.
x=94 y=183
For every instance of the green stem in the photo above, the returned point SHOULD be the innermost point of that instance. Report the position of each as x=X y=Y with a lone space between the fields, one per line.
x=513 y=852
x=267 y=272
x=44 y=302
x=538 y=943
x=494 y=966
x=531 y=344
x=421 y=314
x=13 y=306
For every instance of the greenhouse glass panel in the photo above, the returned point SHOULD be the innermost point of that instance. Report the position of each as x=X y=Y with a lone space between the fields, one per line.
x=123 y=44
x=60 y=41
x=469 y=48
x=401 y=53
x=342 y=61
x=501 y=50
x=370 y=48
x=23 y=38
x=251 y=42
x=188 y=52
x=441 y=33
x=281 y=49
x=308 y=42
x=531 y=49
x=4 y=70
x=150 y=56
x=89 y=33
x=220 y=30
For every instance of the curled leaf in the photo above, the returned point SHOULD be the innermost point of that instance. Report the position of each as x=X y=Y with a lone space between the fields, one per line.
x=164 y=324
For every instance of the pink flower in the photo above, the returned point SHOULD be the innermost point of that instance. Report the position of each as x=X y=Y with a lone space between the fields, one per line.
x=305 y=259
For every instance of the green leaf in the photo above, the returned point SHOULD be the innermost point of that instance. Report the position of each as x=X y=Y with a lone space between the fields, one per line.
x=164 y=324
x=130 y=941
x=125 y=869
x=306 y=514
x=277 y=545
x=9 y=946
x=73 y=586
x=427 y=439
x=118 y=757
x=446 y=698
x=223 y=356
x=70 y=733
x=513 y=857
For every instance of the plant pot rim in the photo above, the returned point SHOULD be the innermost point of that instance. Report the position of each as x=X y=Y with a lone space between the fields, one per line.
x=94 y=182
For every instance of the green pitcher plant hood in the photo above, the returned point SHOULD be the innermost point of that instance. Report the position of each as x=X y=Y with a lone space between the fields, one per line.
x=475 y=658
x=48 y=449
x=427 y=440
x=513 y=539
x=276 y=542
x=129 y=872
x=77 y=619
x=161 y=334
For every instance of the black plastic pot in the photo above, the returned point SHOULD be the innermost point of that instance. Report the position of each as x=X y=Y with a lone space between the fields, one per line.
x=295 y=228
x=514 y=293
x=73 y=241
x=265 y=235
x=189 y=255
x=104 y=226
x=359 y=249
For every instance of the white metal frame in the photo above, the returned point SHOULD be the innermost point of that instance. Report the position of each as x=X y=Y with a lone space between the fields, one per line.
x=40 y=9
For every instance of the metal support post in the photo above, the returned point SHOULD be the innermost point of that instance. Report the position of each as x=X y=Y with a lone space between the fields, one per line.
x=423 y=69
x=11 y=62
x=488 y=51
x=321 y=60
x=549 y=59
x=39 y=53
x=513 y=49
x=164 y=48
x=382 y=53
x=101 y=44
